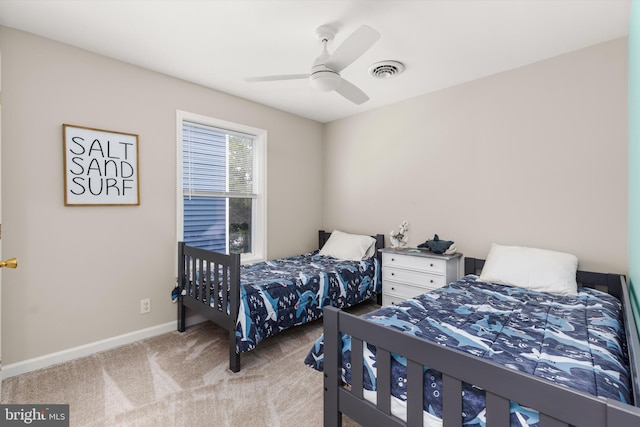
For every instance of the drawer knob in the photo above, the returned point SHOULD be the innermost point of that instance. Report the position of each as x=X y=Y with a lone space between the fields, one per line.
x=393 y=289
x=393 y=259
x=431 y=280
x=431 y=265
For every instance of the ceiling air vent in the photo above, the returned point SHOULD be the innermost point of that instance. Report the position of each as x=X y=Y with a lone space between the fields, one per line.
x=386 y=69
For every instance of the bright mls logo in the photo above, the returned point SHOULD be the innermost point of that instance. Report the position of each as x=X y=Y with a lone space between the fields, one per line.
x=34 y=415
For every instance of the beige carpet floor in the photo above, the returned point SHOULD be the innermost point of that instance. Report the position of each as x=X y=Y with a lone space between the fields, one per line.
x=182 y=379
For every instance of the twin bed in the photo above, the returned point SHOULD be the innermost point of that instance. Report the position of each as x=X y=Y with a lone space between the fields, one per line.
x=497 y=354
x=253 y=302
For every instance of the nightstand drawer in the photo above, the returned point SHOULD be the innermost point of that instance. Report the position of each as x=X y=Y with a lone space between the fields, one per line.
x=417 y=278
x=438 y=266
x=392 y=300
x=403 y=290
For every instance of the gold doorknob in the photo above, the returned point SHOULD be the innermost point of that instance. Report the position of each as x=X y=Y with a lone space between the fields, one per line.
x=10 y=263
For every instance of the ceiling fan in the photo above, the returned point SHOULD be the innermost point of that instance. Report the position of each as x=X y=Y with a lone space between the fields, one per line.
x=325 y=70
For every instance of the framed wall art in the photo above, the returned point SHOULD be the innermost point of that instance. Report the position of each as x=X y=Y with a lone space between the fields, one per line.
x=100 y=167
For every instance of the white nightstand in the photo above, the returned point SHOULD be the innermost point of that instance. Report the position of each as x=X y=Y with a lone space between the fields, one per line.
x=406 y=273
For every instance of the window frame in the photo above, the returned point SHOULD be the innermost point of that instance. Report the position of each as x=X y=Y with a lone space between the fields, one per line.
x=259 y=210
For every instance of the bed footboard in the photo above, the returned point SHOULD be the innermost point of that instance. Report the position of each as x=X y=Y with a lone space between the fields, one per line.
x=558 y=406
x=209 y=284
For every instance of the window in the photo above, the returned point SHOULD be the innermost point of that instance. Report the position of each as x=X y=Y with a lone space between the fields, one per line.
x=221 y=186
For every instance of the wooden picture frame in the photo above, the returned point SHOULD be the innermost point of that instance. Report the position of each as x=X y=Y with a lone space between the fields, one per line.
x=100 y=167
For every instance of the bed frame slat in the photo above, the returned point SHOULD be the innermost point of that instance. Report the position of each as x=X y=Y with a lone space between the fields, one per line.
x=223 y=283
x=383 y=381
x=206 y=283
x=218 y=286
x=199 y=280
x=497 y=410
x=451 y=401
x=357 y=368
x=415 y=388
x=195 y=282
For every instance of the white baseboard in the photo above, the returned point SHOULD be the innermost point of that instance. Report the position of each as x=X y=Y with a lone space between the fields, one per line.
x=45 y=361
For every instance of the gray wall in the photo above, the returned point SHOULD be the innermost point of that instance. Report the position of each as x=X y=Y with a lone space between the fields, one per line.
x=83 y=270
x=535 y=156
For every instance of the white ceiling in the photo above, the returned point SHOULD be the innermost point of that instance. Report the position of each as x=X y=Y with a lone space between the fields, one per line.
x=217 y=43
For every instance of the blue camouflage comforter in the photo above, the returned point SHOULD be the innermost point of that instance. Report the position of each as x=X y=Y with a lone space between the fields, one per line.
x=278 y=294
x=577 y=341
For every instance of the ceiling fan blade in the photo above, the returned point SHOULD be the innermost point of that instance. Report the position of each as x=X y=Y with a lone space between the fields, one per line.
x=274 y=78
x=352 y=92
x=353 y=47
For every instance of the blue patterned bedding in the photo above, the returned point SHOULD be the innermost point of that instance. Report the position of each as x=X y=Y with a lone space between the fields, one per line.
x=577 y=341
x=278 y=294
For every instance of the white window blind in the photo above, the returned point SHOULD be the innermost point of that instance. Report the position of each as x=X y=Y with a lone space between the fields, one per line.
x=217 y=161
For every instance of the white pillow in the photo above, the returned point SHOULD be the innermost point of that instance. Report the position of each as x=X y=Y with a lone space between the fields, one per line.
x=536 y=269
x=352 y=247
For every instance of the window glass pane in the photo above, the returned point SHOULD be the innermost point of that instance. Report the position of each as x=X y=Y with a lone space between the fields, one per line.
x=205 y=222
x=204 y=158
x=240 y=164
x=240 y=212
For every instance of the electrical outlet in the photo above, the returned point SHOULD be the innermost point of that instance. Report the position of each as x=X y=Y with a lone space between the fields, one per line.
x=145 y=306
